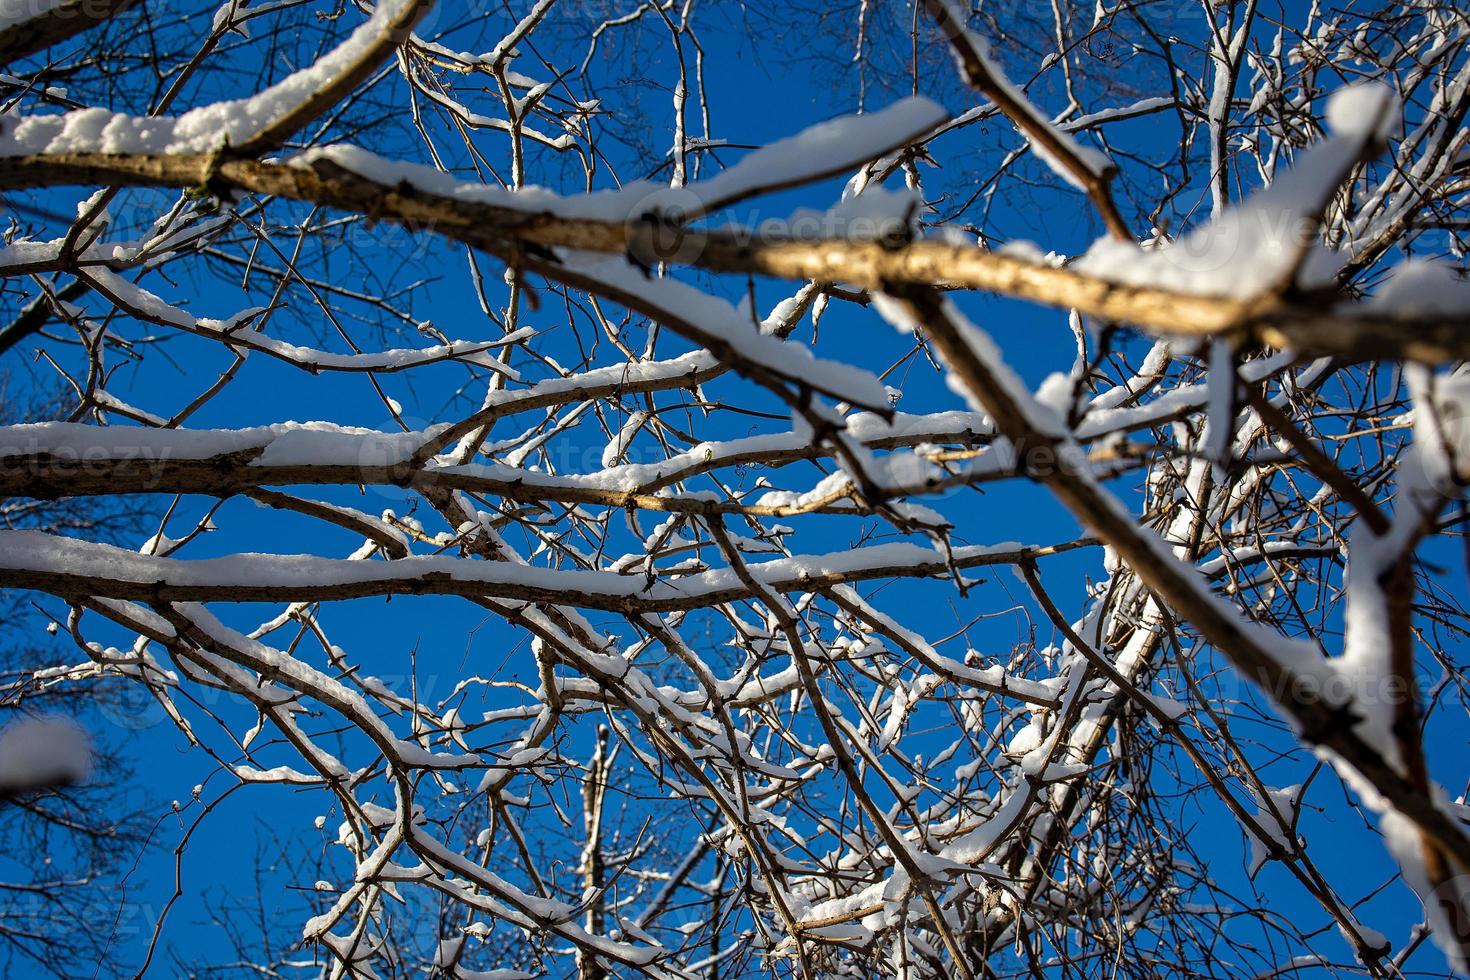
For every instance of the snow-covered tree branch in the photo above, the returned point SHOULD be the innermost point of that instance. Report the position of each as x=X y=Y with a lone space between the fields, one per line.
x=983 y=498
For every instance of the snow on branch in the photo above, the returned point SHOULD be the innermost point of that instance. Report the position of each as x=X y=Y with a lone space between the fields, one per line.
x=77 y=568
x=1087 y=169
x=247 y=126
x=623 y=594
x=1270 y=242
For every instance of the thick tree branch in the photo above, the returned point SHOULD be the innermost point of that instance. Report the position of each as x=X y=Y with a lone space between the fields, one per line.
x=1315 y=328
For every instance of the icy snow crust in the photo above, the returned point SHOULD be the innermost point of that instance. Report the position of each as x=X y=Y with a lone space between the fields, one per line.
x=825 y=148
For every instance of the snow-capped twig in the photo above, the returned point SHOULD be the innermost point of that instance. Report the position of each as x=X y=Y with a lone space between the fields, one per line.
x=1087 y=169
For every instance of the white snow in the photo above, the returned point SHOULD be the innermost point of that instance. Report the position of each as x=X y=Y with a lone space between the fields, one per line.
x=1369 y=110
x=201 y=130
x=1275 y=819
x=1220 y=419
x=235 y=332
x=713 y=323
x=615 y=450
x=826 y=148
x=1252 y=247
x=1418 y=287
x=1094 y=161
x=37 y=553
x=876 y=213
x=283 y=444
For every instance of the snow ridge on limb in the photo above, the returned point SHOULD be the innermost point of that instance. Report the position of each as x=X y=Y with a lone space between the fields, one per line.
x=235 y=332
x=1269 y=243
x=823 y=150
x=242 y=127
x=80 y=568
x=1364 y=331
